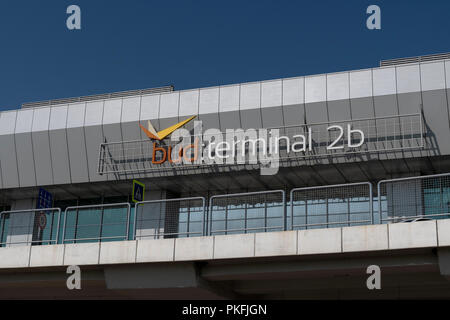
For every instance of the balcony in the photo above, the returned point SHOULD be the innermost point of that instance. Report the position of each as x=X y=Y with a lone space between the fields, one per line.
x=356 y=204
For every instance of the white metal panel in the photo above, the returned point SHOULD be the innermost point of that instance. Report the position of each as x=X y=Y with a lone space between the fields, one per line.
x=338 y=86
x=75 y=115
x=112 y=111
x=209 y=108
x=188 y=103
x=271 y=94
x=447 y=73
x=94 y=113
x=58 y=117
x=150 y=107
x=250 y=96
x=315 y=89
x=293 y=91
x=169 y=105
x=360 y=84
x=7 y=122
x=229 y=98
x=149 y=111
x=24 y=121
x=384 y=82
x=209 y=101
x=408 y=78
x=131 y=109
x=433 y=76
x=41 y=119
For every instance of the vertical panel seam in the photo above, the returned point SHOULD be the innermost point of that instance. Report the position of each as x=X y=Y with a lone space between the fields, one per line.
x=32 y=148
x=67 y=144
x=85 y=144
x=50 y=145
x=15 y=150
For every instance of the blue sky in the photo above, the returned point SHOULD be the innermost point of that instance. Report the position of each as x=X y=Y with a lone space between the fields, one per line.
x=139 y=44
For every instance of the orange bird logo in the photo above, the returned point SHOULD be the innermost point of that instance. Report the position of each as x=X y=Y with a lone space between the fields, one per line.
x=152 y=134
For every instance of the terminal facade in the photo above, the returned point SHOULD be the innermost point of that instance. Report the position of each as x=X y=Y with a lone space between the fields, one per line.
x=357 y=148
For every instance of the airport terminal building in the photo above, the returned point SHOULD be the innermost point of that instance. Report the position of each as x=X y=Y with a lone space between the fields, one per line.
x=285 y=188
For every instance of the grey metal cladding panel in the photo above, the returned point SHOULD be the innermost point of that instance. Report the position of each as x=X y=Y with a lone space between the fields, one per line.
x=112 y=112
x=272 y=117
x=251 y=118
x=77 y=155
x=209 y=120
x=112 y=132
x=1 y=179
x=409 y=103
x=385 y=101
x=8 y=162
x=294 y=114
x=24 y=148
x=93 y=132
x=362 y=108
x=166 y=122
x=448 y=99
x=58 y=145
x=60 y=158
x=94 y=137
x=130 y=119
x=316 y=112
x=339 y=110
x=131 y=131
x=25 y=162
x=42 y=158
x=229 y=120
x=76 y=117
x=41 y=146
x=385 y=105
x=437 y=121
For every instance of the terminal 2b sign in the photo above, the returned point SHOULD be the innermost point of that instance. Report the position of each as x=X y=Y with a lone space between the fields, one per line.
x=265 y=147
x=252 y=146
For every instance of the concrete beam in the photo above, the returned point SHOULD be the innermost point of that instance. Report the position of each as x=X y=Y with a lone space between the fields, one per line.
x=307 y=267
x=151 y=276
x=444 y=262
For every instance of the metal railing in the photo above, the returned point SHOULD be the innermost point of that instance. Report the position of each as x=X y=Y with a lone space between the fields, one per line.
x=335 y=205
x=30 y=227
x=120 y=94
x=247 y=212
x=170 y=218
x=399 y=200
x=111 y=222
x=409 y=198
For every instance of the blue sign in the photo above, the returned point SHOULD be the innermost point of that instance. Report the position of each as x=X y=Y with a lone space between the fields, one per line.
x=138 y=191
x=45 y=199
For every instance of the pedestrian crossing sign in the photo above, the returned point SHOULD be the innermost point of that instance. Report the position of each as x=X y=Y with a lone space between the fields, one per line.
x=138 y=191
